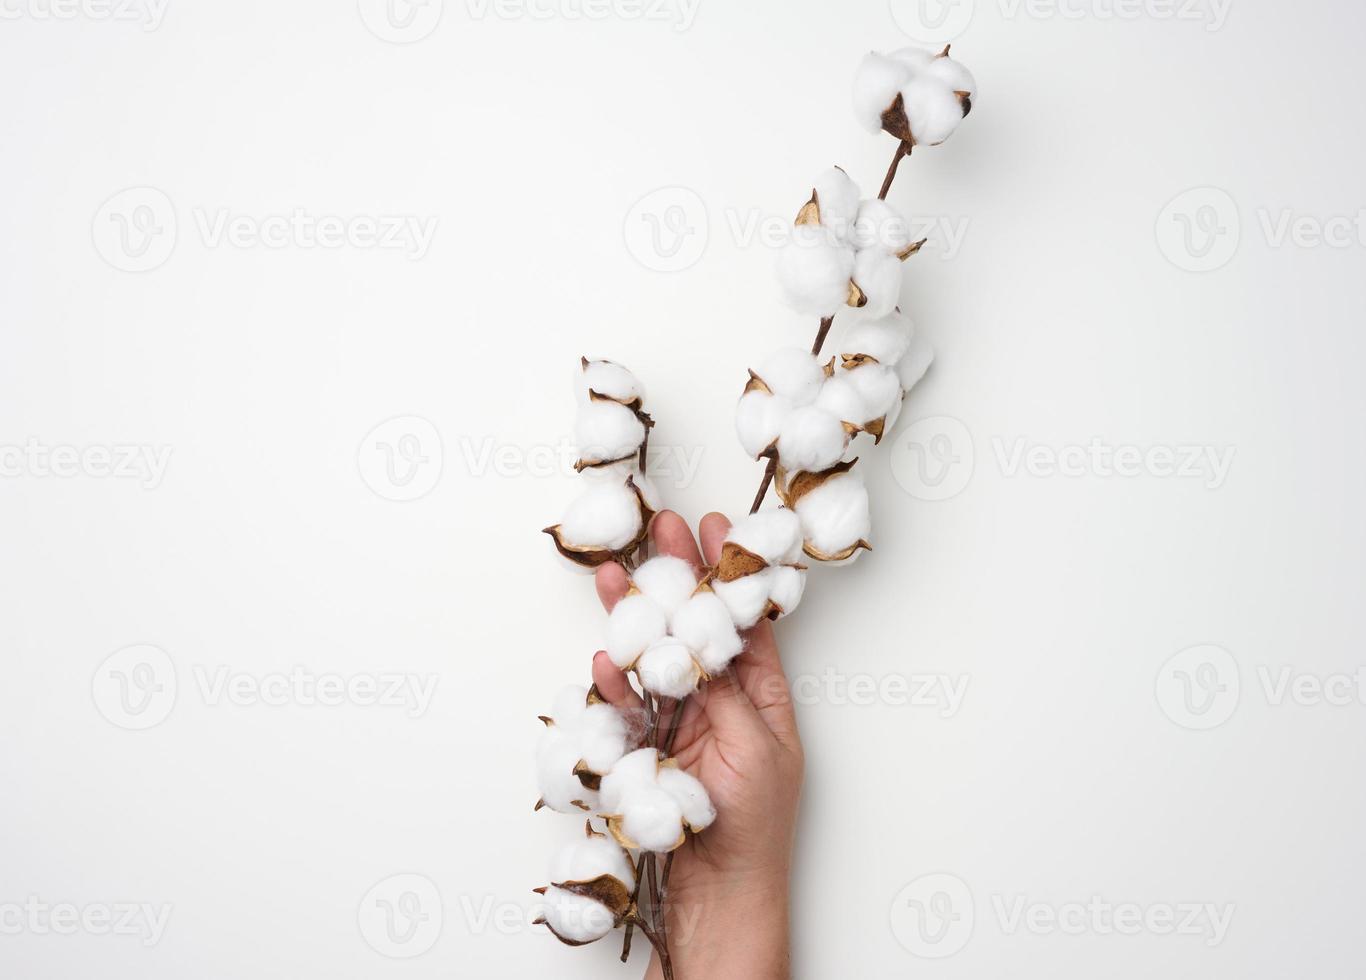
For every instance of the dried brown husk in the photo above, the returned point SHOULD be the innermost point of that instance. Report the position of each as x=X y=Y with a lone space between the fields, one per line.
x=810 y=214
x=792 y=487
x=614 y=828
x=847 y=553
x=894 y=120
x=594 y=557
x=736 y=562
x=857 y=297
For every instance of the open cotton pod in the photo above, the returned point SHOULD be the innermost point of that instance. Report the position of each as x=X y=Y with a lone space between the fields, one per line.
x=651 y=805
x=667 y=630
x=757 y=575
x=607 y=522
x=883 y=339
x=608 y=381
x=592 y=882
x=607 y=433
x=918 y=96
x=833 y=508
x=583 y=738
x=787 y=379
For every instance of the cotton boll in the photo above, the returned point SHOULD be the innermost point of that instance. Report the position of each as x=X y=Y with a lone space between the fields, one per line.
x=953 y=74
x=775 y=535
x=601 y=736
x=811 y=440
x=652 y=819
x=893 y=413
x=814 y=268
x=835 y=515
x=576 y=919
x=840 y=399
x=704 y=624
x=690 y=795
x=932 y=109
x=634 y=623
x=793 y=373
x=609 y=380
x=613 y=472
x=881 y=226
x=878 y=274
x=837 y=196
x=787 y=587
x=591 y=857
x=668 y=669
x=876 y=83
x=878 y=386
x=667 y=581
x=606 y=515
x=759 y=419
x=745 y=598
x=556 y=758
x=912 y=367
x=607 y=431
x=633 y=770
x=915 y=58
x=884 y=339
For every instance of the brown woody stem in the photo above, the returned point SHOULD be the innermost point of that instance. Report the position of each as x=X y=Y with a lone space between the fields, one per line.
x=635 y=898
x=903 y=149
x=769 y=470
x=821 y=335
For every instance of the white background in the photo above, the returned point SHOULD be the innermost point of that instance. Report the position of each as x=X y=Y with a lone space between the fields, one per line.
x=1069 y=312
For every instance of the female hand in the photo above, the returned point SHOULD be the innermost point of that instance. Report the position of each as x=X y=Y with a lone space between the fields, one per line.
x=727 y=907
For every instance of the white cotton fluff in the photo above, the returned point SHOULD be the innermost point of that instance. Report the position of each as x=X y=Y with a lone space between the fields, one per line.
x=913 y=365
x=704 y=624
x=814 y=269
x=690 y=795
x=556 y=758
x=927 y=82
x=774 y=534
x=606 y=431
x=878 y=386
x=759 y=420
x=835 y=514
x=651 y=818
x=811 y=440
x=634 y=769
x=597 y=732
x=841 y=399
x=881 y=226
x=634 y=623
x=667 y=668
x=605 y=515
x=745 y=598
x=932 y=110
x=884 y=339
x=666 y=581
x=876 y=83
x=576 y=918
x=591 y=857
x=792 y=373
x=786 y=588
x=610 y=380
x=878 y=274
x=837 y=197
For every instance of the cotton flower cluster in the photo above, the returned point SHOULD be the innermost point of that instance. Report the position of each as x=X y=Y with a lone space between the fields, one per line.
x=916 y=95
x=610 y=518
x=805 y=415
x=651 y=804
x=583 y=739
x=758 y=575
x=844 y=251
x=590 y=892
x=669 y=630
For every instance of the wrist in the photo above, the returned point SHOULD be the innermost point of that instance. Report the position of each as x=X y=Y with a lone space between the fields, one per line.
x=730 y=927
